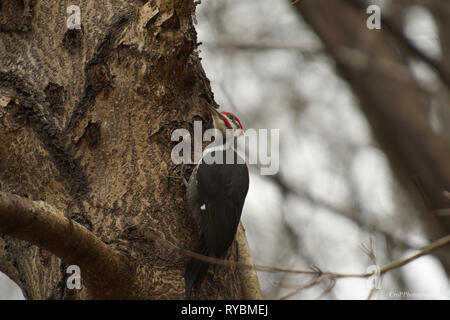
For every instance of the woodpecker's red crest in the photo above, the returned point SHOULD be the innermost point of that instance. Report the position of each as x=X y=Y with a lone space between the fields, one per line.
x=234 y=119
x=224 y=121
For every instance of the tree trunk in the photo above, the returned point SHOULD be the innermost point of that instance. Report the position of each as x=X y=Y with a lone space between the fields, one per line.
x=86 y=121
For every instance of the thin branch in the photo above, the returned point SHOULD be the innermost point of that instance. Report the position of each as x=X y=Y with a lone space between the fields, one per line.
x=107 y=272
x=310 y=284
x=371 y=293
x=321 y=275
x=236 y=45
x=328 y=289
x=442 y=242
x=370 y=250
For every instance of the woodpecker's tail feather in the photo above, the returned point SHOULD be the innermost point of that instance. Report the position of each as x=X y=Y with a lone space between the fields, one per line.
x=196 y=271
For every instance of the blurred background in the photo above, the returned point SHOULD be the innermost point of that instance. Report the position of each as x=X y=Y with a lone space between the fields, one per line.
x=276 y=65
x=364 y=119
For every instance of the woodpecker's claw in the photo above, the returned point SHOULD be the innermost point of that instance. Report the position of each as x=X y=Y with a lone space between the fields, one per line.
x=181 y=176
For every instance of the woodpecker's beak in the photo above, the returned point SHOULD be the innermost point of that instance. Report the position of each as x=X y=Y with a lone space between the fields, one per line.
x=214 y=111
x=222 y=122
x=219 y=122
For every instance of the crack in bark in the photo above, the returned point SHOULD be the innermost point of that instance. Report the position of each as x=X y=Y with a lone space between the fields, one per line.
x=102 y=53
x=50 y=136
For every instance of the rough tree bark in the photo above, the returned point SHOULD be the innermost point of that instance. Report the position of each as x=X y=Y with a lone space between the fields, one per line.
x=373 y=62
x=86 y=120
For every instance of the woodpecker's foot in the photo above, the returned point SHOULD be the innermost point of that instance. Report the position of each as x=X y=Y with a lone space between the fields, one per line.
x=181 y=176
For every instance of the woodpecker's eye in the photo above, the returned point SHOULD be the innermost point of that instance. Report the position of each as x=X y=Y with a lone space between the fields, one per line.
x=233 y=119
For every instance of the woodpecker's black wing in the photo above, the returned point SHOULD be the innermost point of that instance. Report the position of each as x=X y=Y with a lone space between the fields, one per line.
x=217 y=201
x=222 y=191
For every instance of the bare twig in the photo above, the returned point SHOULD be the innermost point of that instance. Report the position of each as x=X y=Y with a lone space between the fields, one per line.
x=310 y=284
x=371 y=253
x=320 y=275
x=442 y=242
x=394 y=265
x=236 y=45
x=328 y=289
x=370 y=250
x=396 y=31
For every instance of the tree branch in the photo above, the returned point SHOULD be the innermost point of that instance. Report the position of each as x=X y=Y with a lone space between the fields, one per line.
x=331 y=277
x=108 y=274
x=320 y=276
x=425 y=250
x=242 y=45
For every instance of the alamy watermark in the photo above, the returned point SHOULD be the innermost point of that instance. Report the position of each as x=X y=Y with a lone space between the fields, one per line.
x=74 y=20
x=254 y=147
x=374 y=20
x=374 y=281
x=74 y=280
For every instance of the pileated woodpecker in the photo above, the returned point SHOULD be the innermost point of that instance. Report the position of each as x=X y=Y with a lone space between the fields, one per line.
x=215 y=194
